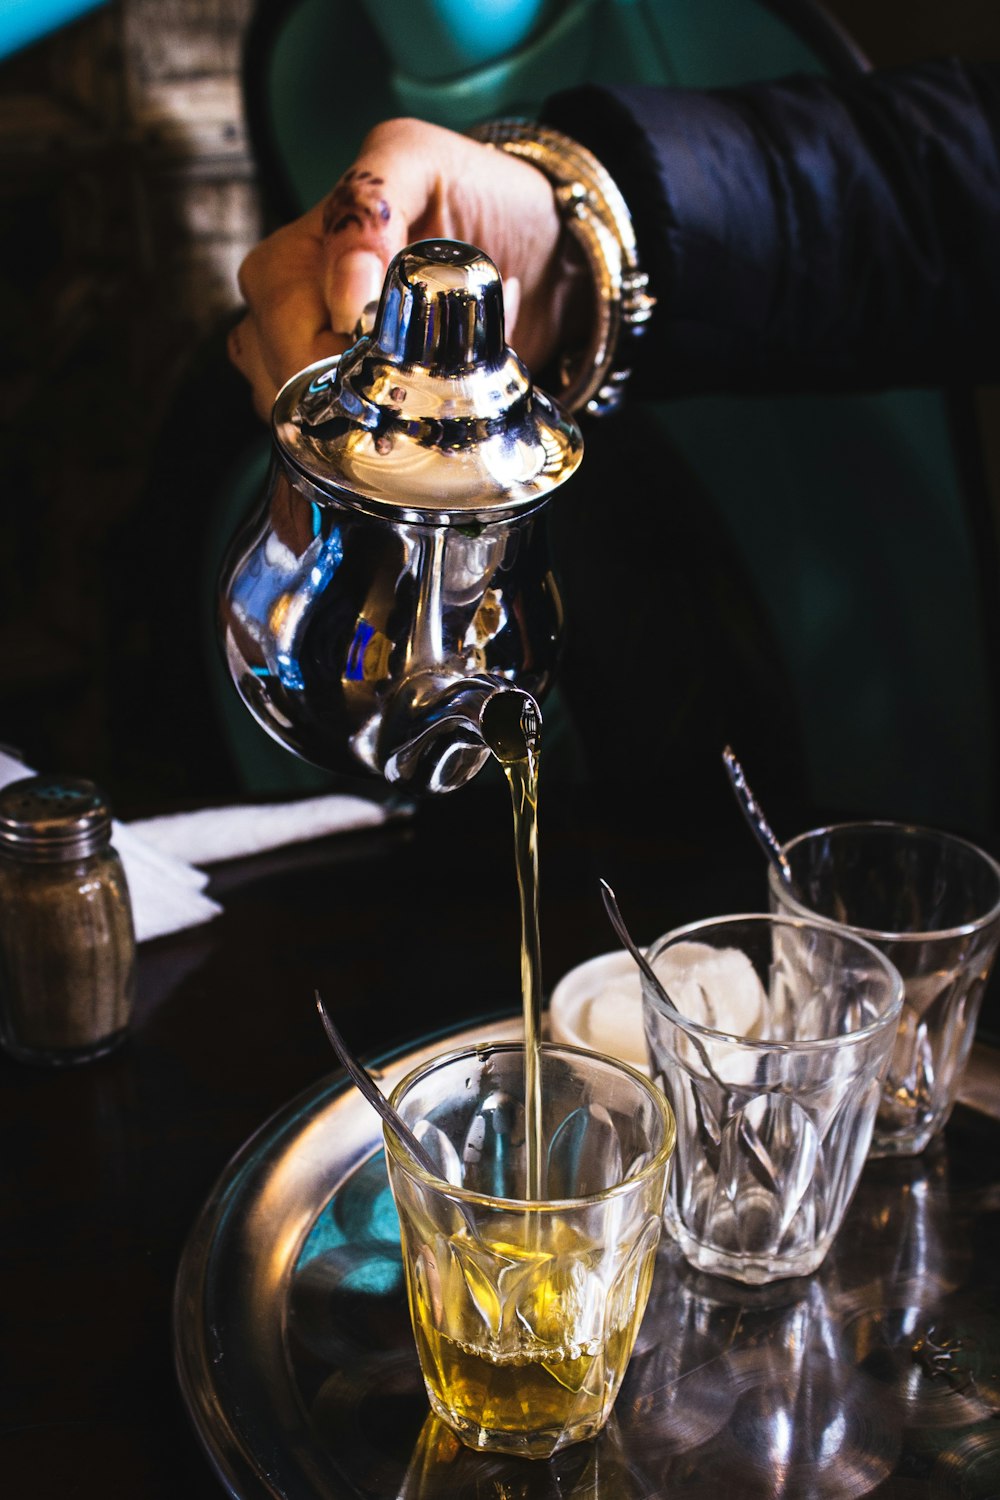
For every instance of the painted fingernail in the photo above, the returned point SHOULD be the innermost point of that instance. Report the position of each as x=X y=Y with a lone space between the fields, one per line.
x=355 y=280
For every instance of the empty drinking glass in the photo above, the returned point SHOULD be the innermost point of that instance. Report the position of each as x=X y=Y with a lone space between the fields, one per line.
x=769 y=1036
x=931 y=903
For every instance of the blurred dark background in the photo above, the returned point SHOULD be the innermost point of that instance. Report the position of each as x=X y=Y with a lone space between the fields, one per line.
x=128 y=200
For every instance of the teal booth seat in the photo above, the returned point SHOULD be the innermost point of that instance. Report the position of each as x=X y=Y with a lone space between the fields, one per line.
x=856 y=529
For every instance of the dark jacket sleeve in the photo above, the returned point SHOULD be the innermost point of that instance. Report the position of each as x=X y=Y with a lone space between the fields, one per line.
x=810 y=233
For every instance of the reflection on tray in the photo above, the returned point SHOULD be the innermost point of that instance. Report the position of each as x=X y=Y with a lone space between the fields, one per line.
x=819 y=1387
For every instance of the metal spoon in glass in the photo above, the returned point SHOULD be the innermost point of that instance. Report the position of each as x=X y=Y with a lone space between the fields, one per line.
x=651 y=976
x=371 y=1091
x=754 y=814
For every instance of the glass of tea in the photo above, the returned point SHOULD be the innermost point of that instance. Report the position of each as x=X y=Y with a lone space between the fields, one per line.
x=769 y=1037
x=931 y=903
x=525 y=1312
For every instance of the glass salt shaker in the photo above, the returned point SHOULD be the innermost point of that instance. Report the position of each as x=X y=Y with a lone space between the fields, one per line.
x=67 y=943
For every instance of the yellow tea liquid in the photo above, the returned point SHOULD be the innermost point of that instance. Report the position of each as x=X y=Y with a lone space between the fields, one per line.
x=519 y=1338
x=521 y=771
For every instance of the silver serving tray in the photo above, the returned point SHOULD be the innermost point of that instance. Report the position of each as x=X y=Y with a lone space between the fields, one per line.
x=296 y=1362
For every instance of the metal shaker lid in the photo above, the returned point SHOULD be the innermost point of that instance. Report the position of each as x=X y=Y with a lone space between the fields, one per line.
x=50 y=818
x=431 y=416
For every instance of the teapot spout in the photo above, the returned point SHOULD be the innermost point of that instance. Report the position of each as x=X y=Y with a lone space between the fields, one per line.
x=438 y=731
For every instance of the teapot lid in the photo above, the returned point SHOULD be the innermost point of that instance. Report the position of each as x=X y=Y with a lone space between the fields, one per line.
x=431 y=416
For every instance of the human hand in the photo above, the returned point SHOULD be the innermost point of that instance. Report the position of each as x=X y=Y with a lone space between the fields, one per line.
x=307 y=285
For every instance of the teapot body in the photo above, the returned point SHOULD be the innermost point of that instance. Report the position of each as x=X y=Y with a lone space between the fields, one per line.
x=391 y=604
x=360 y=641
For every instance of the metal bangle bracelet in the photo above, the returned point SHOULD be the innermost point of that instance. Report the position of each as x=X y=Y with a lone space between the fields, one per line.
x=594 y=211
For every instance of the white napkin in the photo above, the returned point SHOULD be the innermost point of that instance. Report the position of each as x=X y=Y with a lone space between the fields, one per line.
x=167 y=893
x=217 y=833
x=161 y=855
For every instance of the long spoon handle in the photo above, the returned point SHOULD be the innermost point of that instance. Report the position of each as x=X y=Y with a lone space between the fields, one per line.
x=618 y=923
x=754 y=814
x=371 y=1091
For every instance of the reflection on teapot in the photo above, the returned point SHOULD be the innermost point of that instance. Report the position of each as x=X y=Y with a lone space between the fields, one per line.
x=395 y=580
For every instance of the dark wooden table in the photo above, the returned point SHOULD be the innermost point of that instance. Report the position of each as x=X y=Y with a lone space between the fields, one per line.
x=104 y=1168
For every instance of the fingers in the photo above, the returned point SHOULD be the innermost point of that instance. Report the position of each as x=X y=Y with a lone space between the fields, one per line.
x=361 y=233
x=511 y=306
x=352 y=282
x=370 y=215
x=281 y=282
x=261 y=360
x=307 y=286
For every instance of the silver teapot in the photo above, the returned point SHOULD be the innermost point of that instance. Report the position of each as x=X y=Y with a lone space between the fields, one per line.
x=390 y=604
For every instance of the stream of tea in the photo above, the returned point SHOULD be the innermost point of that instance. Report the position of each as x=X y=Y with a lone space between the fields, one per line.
x=520 y=766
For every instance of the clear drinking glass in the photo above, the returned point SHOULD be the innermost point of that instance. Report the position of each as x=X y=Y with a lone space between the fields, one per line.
x=525 y=1313
x=931 y=903
x=771 y=1049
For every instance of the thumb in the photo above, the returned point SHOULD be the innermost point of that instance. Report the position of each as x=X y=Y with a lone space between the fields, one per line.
x=353 y=280
x=511 y=306
x=362 y=231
